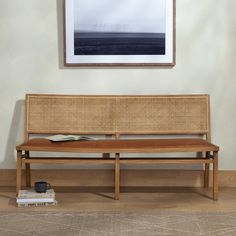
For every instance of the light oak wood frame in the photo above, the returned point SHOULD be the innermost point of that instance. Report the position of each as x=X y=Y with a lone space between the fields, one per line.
x=172 y=64
x=23 y=156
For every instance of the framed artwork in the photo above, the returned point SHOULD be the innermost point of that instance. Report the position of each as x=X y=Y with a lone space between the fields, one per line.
x=119 y=33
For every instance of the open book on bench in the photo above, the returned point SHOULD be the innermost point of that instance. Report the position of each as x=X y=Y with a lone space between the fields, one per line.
x=61 y=138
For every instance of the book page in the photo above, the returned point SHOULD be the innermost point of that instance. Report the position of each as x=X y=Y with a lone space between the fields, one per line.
x=61 y=138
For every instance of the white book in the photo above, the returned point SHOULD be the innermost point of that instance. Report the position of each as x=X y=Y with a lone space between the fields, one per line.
x=61 y=137
x=37 y=204
x=34 y=200
x=31 y=193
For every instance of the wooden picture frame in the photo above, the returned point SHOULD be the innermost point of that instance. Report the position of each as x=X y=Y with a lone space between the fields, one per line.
x=119 y=33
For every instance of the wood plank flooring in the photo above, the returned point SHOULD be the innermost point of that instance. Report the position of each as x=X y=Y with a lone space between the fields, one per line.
x=147 y=199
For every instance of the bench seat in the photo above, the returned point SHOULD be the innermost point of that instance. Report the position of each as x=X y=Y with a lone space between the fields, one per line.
x=120 y=146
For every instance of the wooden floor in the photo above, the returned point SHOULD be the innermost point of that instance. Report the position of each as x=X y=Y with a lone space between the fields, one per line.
x=132 y=199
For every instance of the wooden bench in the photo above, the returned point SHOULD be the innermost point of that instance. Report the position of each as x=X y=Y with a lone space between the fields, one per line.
x=182 y=120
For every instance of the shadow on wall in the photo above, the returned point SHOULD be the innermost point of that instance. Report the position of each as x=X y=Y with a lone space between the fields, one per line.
x=16 y=134
x=60 y=36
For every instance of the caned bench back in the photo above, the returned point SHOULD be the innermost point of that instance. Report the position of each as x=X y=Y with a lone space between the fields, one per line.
x=72 y=114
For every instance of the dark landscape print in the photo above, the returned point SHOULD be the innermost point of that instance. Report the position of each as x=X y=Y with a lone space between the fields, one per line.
x=90 y=43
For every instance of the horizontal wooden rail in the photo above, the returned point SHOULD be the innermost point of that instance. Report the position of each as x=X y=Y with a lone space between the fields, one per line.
x=62 y=160
x=69 y=160
x=164 y=160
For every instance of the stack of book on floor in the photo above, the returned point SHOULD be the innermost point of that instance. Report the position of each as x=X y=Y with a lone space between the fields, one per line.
x=27 y=198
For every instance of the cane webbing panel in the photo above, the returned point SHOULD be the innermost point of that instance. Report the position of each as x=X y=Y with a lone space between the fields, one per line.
x=117 y=114
x=70 y=114
x=163 y=114
x=99 y=114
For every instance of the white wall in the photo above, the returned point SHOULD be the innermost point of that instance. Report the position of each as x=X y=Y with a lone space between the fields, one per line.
x=31 y=62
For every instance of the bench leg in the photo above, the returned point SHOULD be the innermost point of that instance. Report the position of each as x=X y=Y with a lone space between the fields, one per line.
x=18 y=171
x=117 y=176
x=207 y=171
x=215 y=176
x=27 y=172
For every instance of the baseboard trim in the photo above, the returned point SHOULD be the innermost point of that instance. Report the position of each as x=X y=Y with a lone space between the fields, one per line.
x=129 y=178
